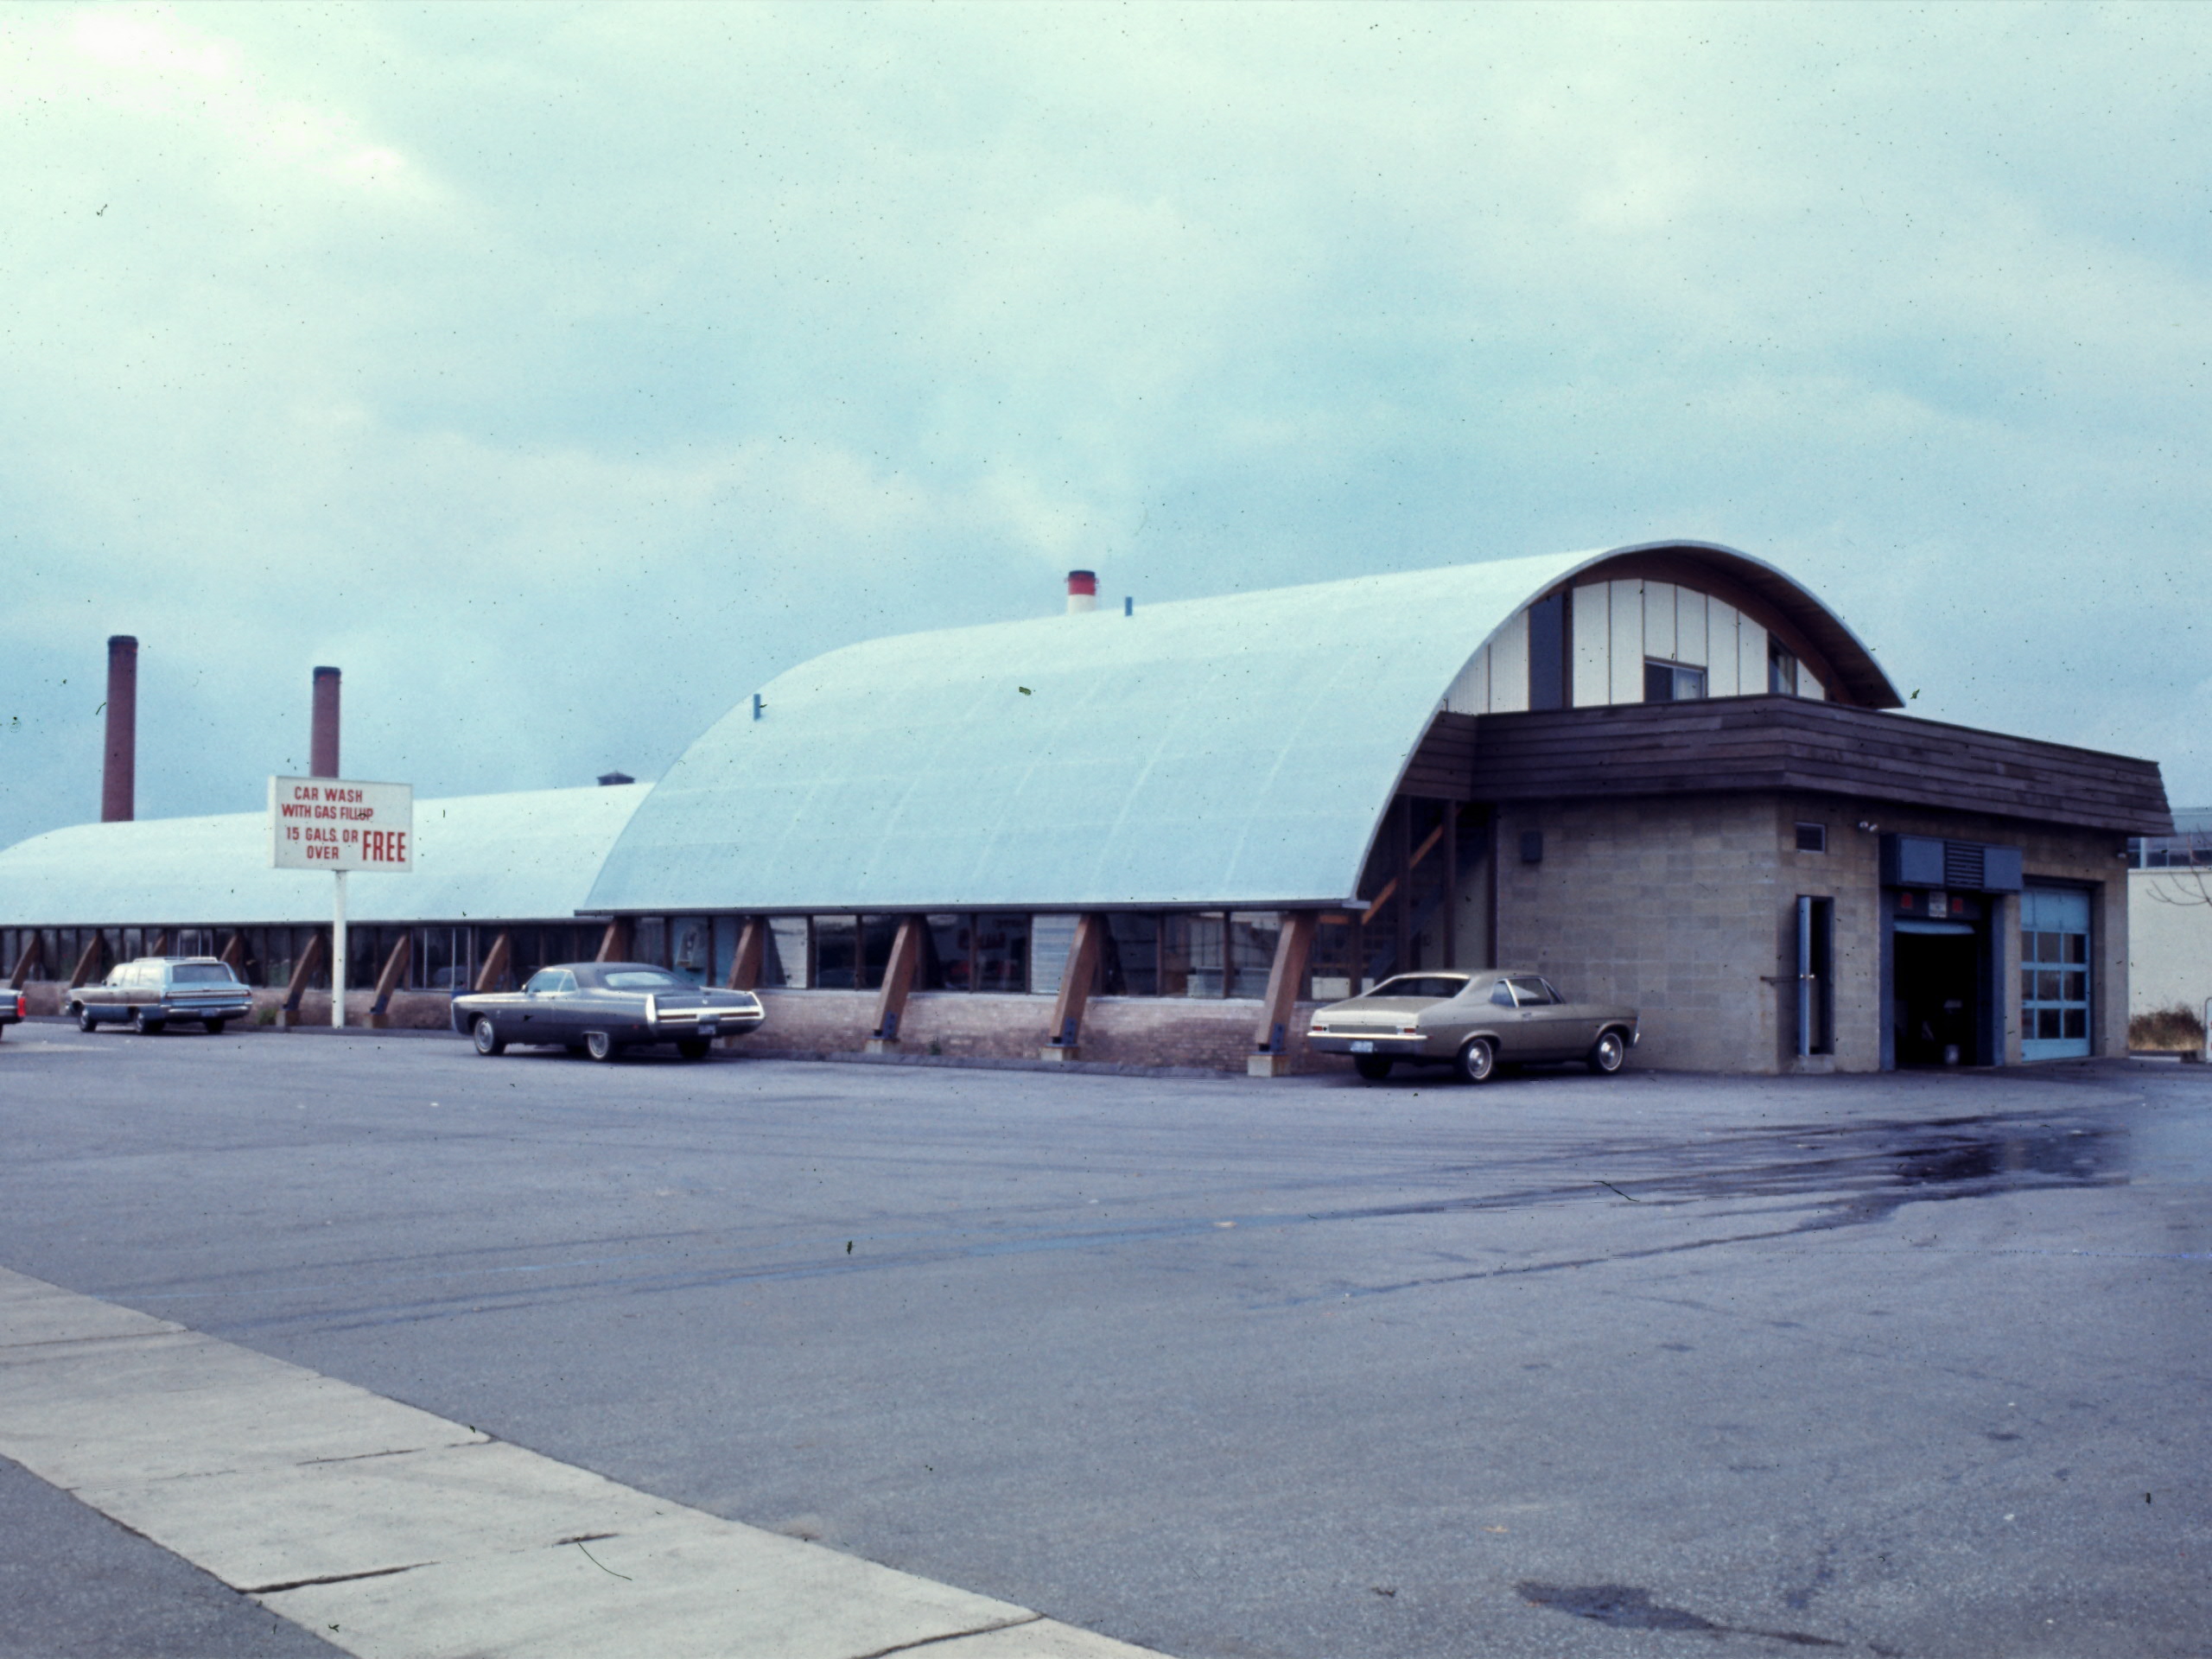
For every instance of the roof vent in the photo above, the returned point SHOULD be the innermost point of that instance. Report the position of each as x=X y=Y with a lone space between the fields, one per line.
x=1083 y=591
x=608 y=779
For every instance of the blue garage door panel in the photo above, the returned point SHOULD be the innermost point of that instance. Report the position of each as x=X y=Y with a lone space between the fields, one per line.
x=2053 y=973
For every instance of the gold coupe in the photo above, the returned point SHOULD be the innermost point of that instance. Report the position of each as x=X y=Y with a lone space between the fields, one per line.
x=1473 y=1022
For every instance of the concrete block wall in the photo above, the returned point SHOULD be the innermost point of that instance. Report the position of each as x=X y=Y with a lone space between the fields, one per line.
x=1686 y=907
x=1666 y=904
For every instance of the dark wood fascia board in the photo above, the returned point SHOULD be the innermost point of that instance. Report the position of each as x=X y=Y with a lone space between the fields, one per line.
x=1734 y=744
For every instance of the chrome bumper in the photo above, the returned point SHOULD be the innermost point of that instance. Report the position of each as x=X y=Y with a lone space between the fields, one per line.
x=726 y=1022
x=232 y=1008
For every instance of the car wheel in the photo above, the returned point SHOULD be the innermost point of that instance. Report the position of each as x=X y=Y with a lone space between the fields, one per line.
x=599 y=1045
x=1477 y=1061
x=485 y=1036
x=1373 y=1067
x=693 y=1048
x=85 y=1020
x=1608 y=1054
x=145 y=1023
x=213 y=1027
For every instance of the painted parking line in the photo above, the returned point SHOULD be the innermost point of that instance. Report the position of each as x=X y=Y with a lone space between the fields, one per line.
x=388 y=1531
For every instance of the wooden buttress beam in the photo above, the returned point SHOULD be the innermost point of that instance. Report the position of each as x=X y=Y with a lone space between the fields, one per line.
x=495 y=962
x=309 y=965
x=1076 y=979
x=32 y=955
x=752 y=951
x=395 y=969
x=898 y=978
x=1427 y=846
x=88 y=962
x=1293 y=947
x=614 y=944
x=234 y=951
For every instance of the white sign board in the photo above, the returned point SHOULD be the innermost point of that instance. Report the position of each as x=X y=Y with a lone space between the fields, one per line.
x=329 y=823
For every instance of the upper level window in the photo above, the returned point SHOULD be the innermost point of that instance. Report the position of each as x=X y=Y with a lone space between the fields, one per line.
x=1550 y=674
x=1672 y=682
x=1781 y=669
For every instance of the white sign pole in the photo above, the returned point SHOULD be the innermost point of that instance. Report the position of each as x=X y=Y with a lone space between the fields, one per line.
x=338 y=950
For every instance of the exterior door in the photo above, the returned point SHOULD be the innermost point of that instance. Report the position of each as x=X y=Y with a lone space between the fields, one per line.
x=2053 y=973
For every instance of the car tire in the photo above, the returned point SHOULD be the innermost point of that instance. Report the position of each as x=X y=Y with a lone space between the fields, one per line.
x=485 y=1036
x=145 y=1024
x=1608 y=1054
x=85 y=1020
x=1477 y=1060
x=1373 y=1067
x=693 y=1048
x=599 y=1045
x=212 y=1028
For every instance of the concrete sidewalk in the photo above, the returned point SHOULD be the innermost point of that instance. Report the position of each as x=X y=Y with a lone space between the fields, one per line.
x=384 y=1531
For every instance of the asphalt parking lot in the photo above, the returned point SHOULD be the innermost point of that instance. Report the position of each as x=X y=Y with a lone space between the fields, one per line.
x=1909 y=1365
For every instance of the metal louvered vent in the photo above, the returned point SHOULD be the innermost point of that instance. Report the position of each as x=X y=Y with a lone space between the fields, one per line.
x=1963 y=864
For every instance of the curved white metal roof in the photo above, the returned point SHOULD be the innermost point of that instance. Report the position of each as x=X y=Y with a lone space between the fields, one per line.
x=531 y=854
x=1230 y=751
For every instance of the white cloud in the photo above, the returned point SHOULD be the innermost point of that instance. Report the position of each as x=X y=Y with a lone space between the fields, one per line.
x=646 y=350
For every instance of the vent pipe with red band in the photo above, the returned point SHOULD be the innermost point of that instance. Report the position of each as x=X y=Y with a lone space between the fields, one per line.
x=1083 y=591
x=119 y=773
x=323 y=752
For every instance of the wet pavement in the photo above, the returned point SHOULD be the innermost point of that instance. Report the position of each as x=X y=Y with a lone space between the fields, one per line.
x=1905 y=1366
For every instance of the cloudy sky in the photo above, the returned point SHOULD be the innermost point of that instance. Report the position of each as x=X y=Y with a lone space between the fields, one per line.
x=565 y=372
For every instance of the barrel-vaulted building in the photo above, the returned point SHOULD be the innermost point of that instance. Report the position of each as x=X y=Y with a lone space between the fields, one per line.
x=1663 y=774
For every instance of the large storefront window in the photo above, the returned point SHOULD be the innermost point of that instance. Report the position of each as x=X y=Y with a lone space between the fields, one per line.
x=787 y=954
x=691 y=947
x=836 y=953
x=1206 y=954
x=1192 y=959
x=1129 y=963
x=2053 y=973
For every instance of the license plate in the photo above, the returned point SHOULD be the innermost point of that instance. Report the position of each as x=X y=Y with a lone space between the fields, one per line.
x=1363 y=1046
x=709 y=1028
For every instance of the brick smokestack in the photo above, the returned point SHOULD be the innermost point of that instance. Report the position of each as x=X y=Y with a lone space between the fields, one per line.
x=119 y=773
x=323 y=753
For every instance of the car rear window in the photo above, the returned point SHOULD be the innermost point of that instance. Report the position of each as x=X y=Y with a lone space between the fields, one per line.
x=201 y=973
x=644 y=979
x=1420 y=985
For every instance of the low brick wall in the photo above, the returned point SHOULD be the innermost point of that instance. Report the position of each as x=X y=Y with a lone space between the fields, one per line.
x=410 y=1010
x=1117 y=1030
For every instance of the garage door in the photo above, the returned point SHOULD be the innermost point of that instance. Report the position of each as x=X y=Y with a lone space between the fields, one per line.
x=2053 y=973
